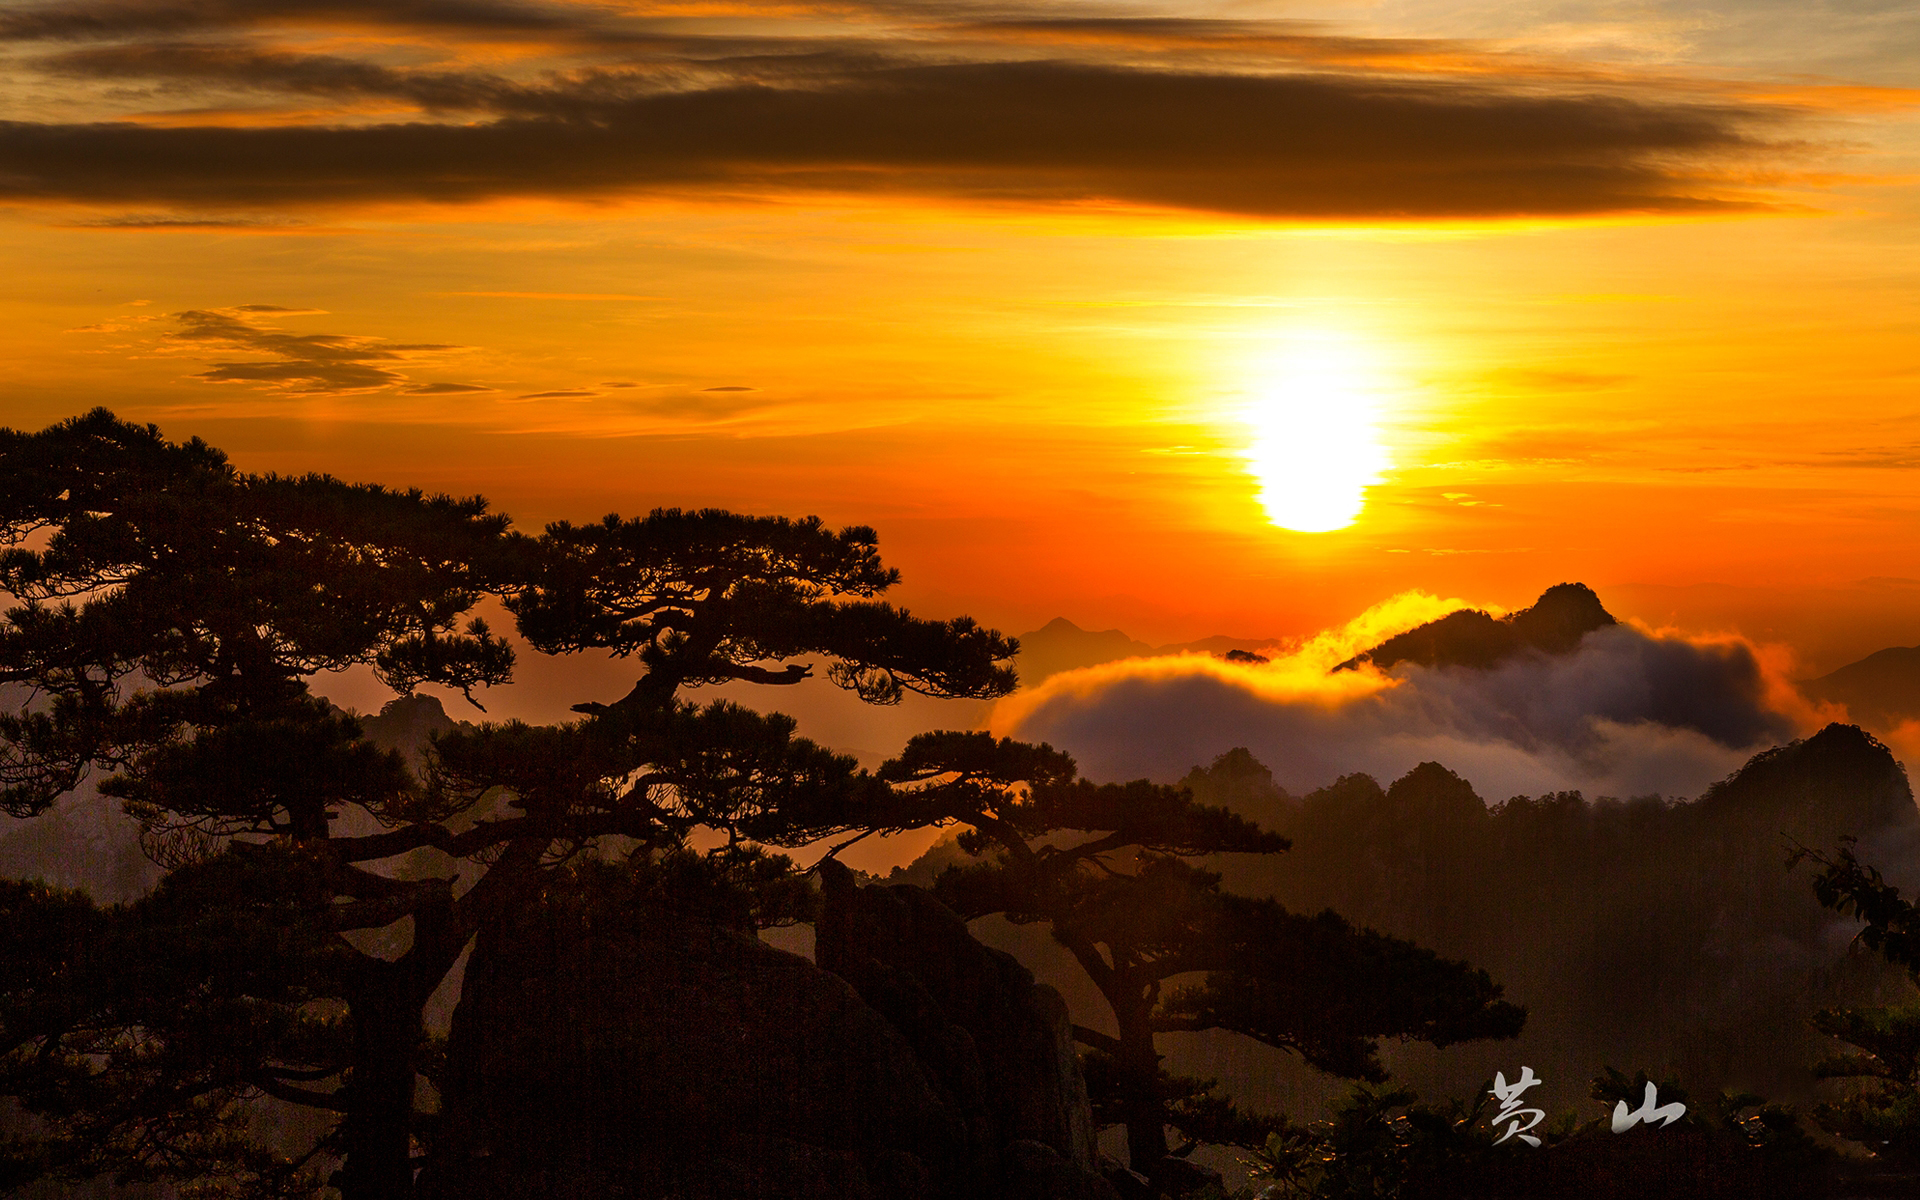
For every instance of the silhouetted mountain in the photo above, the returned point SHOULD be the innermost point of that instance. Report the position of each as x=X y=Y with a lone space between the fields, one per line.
x=1242 y=782
x=1840 y=781
x=1554 y=624
x=1060 y=645
x=1880 y=691
x=1641 y=933
x=406 y=722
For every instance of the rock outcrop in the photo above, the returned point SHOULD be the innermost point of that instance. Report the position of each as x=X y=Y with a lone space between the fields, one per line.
x=998 y=1044
x=655 y=1056
x=604 y=1048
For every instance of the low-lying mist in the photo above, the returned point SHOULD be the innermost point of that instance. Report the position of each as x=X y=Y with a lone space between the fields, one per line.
x=1626 y=711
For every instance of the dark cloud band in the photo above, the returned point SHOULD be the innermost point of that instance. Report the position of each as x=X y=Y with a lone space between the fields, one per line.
x=1277 y=145
x=101 y=19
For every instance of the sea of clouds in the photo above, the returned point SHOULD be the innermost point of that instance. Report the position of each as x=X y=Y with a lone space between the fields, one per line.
x=1632 y=711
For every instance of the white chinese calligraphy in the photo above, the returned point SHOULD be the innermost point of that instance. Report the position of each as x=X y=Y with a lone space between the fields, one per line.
x=1649 y=1111
x=1510 y=1111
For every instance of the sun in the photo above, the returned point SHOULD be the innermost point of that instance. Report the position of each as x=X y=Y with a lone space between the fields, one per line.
x=1314 y=449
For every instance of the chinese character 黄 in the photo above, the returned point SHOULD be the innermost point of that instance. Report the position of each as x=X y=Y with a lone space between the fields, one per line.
x=1510 y=1111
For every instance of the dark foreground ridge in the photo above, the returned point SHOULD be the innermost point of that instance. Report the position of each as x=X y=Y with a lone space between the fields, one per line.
x=1554 y=624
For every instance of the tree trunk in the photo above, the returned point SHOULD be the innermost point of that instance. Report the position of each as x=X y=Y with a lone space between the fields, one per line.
x=377 y=1131
x=1139 y=1070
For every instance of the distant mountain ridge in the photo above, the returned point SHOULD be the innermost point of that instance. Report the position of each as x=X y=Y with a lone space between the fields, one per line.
x=1469 y=637
x=1880 y=691
x=1060 y=645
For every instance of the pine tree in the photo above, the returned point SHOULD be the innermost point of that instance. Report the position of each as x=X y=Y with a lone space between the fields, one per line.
x=1882 y=1112
x=170 y=613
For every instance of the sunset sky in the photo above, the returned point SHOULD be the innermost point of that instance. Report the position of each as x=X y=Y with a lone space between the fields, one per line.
x=1187 y=318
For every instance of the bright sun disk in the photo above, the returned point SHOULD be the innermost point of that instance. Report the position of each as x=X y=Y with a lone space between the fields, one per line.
x=1314 y=449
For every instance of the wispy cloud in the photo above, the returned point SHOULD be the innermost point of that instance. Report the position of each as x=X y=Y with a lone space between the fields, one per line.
x=196 y=223
x=308 y=363
x=444 y=389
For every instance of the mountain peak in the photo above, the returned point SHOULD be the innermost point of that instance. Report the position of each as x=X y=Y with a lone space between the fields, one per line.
x=1059 y=625
x=406 y=722
x=1842 y=780
x=1469 y=637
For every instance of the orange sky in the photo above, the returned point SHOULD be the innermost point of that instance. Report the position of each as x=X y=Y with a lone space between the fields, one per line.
x=1630 y=302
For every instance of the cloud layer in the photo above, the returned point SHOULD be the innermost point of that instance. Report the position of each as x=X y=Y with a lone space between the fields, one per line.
x=1630 y=712
x=1273 y=119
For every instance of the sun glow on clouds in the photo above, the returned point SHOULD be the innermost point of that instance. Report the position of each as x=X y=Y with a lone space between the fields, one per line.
x=1632 y=710
x=1315 y=448
x=1297 y=670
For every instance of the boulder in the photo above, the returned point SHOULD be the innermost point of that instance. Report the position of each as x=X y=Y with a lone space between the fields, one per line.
x=998 y=1045
x=1182 y=1177
x=642 y=1054
x=1035 y=1171
x=1128 y=1183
